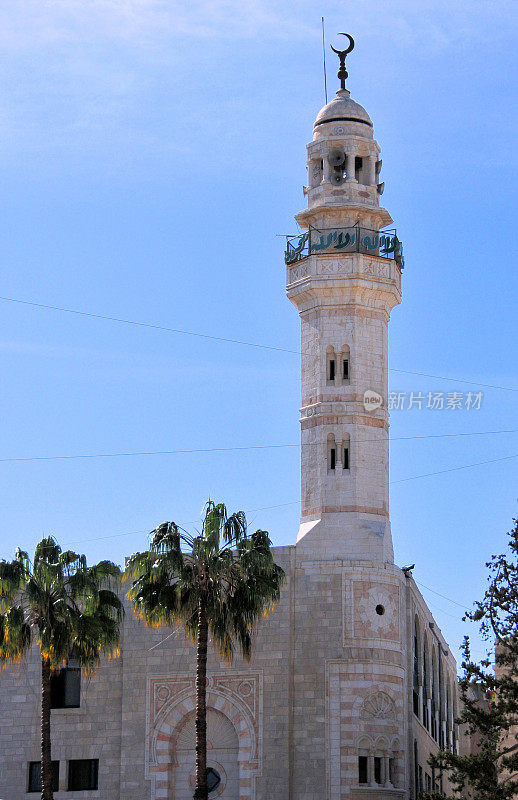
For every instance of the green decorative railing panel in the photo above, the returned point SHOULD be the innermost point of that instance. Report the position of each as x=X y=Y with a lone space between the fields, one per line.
x=345 y=240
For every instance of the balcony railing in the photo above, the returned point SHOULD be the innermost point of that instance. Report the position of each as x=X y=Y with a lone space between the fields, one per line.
x=345 y=240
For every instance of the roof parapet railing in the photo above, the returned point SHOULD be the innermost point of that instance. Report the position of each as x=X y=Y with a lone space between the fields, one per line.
x=355 y=239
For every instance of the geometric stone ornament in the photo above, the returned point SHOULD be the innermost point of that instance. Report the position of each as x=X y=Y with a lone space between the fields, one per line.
x=369 y=597
x=171 y=704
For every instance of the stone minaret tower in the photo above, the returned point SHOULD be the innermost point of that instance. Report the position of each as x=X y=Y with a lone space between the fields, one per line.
x=344 y=276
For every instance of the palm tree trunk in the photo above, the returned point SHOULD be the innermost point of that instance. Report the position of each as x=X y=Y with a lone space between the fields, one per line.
x=46 y=757
x=201 y=792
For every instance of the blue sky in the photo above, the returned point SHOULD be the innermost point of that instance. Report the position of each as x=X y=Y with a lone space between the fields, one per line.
x=150 y=154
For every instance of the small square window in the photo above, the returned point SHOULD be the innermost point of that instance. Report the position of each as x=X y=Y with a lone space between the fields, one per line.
x=35 y=776
x=362 y=769
x=83 y=774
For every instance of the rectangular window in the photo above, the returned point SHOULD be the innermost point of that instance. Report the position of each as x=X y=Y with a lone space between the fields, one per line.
x=420 y=775
x=345 y=462
x=35 y=776
x=362 y=769
x=65 y=688
x=392 y=771
x=332 y=459
x=377 y=769
x=83 y=774
x=416 y=703
x=331 y=369
x=345 y=369
x=427 y=782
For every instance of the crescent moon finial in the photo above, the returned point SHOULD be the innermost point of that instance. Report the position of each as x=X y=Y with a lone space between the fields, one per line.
x=342 y=72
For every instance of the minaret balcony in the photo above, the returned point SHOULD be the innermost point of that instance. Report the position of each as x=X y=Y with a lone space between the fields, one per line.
x=337 y=241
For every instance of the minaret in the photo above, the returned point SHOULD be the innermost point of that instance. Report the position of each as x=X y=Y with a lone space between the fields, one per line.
x=344 y=276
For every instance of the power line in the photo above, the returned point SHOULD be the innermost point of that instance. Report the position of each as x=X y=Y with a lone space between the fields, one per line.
x=128 y=454
x=455 y=380
x=461 y=605
x=454 y=469
x=147 y=325
x=243 y=342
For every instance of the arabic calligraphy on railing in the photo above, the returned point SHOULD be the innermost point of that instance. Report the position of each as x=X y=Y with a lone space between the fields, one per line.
x=352 y=240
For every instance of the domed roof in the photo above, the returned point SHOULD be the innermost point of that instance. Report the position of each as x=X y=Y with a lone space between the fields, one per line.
x=343 y=109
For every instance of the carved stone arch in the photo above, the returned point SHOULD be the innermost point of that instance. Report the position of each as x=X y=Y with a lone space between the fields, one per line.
x=378 y=705
x=381 y=745
x=364 y=742
x=171 y=704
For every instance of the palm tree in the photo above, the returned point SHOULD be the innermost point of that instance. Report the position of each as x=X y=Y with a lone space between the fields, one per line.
x=70 y=611
x=218 y=582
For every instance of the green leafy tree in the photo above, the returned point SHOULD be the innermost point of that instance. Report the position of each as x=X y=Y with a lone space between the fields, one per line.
x=218 y=583
x=489 y=692
x=68 y=609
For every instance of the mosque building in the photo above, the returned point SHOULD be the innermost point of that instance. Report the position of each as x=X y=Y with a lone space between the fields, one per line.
x=351 y=685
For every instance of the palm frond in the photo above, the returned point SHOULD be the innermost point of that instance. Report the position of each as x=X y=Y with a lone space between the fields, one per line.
x=13 y=575
x=47 y=551
x=67 y=604
x=15 y=635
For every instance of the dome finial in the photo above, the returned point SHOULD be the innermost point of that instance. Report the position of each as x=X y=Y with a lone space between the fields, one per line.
x=342 y=72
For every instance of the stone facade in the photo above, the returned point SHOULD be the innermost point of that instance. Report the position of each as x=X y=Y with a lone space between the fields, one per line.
x=351 y=684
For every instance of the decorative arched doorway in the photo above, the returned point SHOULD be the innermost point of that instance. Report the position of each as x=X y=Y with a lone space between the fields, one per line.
x=234 y=706
x=222 y=758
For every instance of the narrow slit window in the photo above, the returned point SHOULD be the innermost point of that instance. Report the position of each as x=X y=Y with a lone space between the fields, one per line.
x=362 y=769
x=332 y=369
x=345 y=369
x=358 y=165
x=332 y=458
x=345 y=460
x=377 y=769
x=392 y=771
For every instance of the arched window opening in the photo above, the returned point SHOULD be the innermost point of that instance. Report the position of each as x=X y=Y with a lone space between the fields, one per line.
x=442 y=706
x=358 y=169
x=455 y=736
x=433 y=693
x=345 y=368
x=416 y=670
x=416 y=770
x=363 y=769
x=346 y=452
x=448 y=716
x=330 y=365
x=377 y=762
x=426 y=710
x=331 y=453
